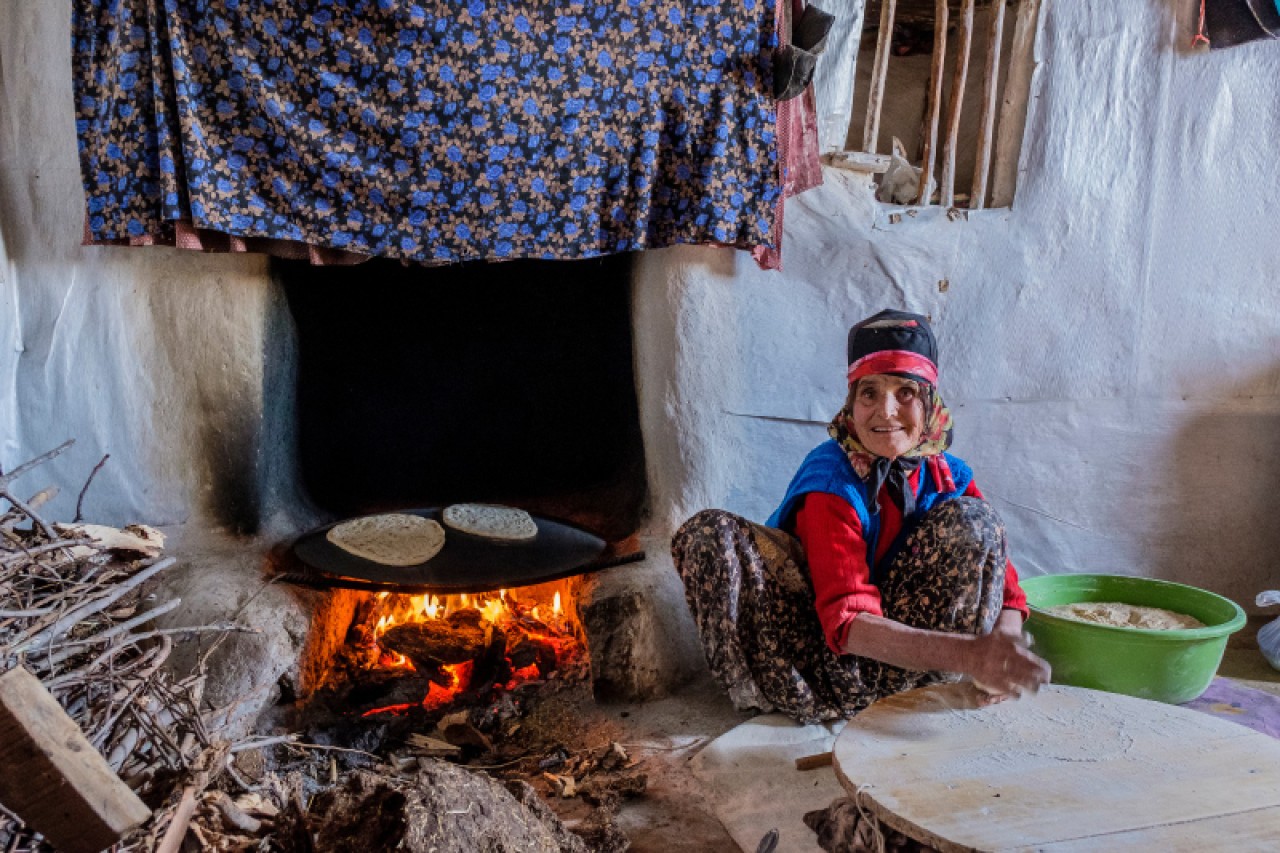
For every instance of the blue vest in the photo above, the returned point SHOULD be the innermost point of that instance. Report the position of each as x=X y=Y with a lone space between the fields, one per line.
x=827 y=469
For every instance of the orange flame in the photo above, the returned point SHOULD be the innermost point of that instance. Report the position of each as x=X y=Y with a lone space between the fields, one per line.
x=501 y=609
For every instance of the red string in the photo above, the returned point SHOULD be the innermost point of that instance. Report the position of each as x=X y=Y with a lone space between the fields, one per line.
x=1200 y=36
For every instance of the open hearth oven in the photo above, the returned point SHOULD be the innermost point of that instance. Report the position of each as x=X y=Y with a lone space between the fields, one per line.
x=420 y=387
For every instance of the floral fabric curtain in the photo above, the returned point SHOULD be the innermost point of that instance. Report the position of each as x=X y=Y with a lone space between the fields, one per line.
x=437 y=132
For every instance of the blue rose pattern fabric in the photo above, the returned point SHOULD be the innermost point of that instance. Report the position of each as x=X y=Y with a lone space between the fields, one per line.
x=429 y=131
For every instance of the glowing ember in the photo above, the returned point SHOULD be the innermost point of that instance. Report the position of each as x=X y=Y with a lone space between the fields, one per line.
x=481 y=642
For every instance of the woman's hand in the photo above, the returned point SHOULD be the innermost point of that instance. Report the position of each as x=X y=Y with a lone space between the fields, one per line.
x=1001 y=664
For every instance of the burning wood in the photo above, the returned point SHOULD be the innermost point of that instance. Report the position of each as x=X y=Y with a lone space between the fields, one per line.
x=459 y=648
x=478 y=680
x=433 y=643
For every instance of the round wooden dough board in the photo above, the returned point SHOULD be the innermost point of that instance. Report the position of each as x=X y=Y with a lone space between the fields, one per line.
x=1069 y=769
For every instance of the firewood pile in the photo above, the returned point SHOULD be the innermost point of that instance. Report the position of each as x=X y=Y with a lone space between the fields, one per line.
x=73 y=613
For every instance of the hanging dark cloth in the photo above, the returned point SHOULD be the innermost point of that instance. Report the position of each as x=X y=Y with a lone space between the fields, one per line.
x=429 y=131
x=1227 y=23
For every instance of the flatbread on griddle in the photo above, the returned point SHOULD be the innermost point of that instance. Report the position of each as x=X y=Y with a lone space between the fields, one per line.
x=392 y=539
x=505 y=523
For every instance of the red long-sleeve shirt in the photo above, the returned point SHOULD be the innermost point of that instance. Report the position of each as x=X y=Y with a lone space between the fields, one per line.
x=837 y=555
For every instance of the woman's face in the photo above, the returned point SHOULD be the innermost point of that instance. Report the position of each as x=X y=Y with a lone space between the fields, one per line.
x=888 y=414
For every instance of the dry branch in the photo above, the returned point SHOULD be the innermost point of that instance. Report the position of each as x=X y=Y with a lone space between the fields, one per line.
x=964 y=28
x=875 y=97
x=70 y=607
x=934 y=103
x=986 y=124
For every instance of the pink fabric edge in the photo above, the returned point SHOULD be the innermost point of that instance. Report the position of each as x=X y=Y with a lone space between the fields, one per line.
x=799 y=162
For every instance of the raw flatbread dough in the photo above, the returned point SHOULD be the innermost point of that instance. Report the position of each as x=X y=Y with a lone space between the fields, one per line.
x=491 y=521
x=1125 y=615
x=393 y=539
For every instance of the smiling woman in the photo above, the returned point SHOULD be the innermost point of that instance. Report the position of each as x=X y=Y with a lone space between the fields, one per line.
x=888 y=413
x=883 y=569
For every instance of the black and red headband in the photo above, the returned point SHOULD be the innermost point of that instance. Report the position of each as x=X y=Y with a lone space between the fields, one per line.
x=893 y=342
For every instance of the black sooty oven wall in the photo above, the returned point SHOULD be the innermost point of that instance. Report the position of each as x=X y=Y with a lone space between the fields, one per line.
x=504 y=383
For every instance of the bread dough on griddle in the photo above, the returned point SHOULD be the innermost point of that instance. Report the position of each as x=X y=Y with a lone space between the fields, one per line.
x=392 y=539
x=491 y=521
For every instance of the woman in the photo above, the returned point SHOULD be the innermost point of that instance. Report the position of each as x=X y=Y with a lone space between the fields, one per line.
x=883 y=569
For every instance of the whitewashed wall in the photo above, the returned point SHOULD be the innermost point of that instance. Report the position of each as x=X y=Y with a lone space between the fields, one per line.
x=1111 y=345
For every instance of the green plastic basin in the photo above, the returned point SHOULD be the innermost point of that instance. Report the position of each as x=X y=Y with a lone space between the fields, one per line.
x=1172 y=666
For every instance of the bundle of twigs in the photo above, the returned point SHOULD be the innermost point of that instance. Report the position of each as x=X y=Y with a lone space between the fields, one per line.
x=72 y=611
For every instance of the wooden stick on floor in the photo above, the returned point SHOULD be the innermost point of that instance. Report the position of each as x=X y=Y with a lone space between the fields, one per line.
x=987 y=121
x=935 y=101
x=812 y=762
x=879 y=70
x=965 y=31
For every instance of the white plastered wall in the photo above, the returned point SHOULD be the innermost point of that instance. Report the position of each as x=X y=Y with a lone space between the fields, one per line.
x=1110 y=345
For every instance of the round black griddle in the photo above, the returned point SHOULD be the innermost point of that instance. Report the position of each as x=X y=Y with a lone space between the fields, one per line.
x=466 y=563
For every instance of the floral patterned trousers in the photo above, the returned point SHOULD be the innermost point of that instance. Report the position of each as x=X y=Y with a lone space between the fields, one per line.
x=751 y=596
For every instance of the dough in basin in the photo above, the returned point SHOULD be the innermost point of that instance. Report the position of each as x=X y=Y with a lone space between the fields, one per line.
x=1119 y=615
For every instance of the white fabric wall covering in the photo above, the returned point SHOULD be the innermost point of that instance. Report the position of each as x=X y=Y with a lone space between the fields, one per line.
x=833 y=77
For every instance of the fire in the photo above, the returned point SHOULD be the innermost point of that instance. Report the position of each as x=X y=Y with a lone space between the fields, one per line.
x=528 y=629
x=493 y=610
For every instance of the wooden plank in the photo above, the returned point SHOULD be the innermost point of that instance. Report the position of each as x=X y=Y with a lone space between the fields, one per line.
x=879 y=71
x=1252 y=830
x=987 y=121
x=1013 y=109
x=53 y=778
x=935 y=102
x=963 y=49
x=1069 y=766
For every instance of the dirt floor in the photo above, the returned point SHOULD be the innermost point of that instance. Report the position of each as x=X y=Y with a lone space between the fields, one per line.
x=673 y=816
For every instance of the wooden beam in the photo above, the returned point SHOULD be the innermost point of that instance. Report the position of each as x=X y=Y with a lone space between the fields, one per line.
x=1013 y=110
x=879 y=70
x=860 y=161
x=987 y=121
x=965 y=28
x=53 y=778
x=935 y=102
